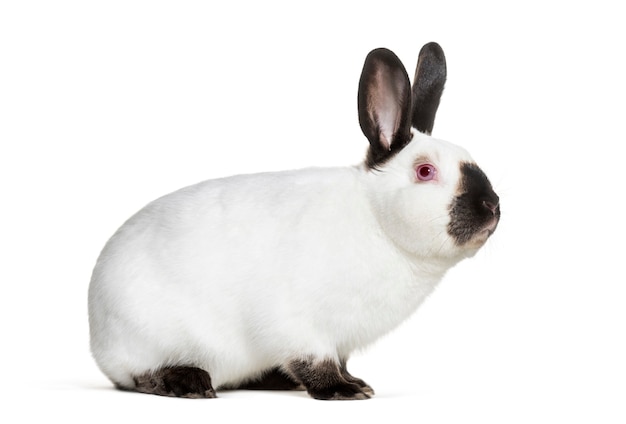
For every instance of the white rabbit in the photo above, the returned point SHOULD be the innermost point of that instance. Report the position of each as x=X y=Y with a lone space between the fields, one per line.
x=272 y=280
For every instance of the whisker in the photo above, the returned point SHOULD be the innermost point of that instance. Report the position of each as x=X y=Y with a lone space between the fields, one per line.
x=438 y=218
x=441 y=246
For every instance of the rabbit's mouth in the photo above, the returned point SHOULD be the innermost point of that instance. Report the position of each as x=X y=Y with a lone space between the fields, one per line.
x=489 y=228
x=474 y=239
x=470 y=233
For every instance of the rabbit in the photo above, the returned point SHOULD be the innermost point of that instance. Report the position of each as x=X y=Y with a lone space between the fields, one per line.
x=272 y=280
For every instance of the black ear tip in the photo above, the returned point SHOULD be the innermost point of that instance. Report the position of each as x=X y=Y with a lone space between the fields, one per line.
x=381 y=50
x=432 y=46
x=384 y=55
x=434 y=51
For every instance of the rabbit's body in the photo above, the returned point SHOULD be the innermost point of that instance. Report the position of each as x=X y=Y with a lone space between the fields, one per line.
x=284 y=274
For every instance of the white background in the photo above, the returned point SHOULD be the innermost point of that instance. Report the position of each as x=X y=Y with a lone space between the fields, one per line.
x=105 y=106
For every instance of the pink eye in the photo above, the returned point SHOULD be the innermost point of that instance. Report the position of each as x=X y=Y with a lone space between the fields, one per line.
x=426 y=172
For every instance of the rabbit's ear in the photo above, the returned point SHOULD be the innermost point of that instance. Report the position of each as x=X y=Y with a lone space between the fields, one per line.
x=430 y=77
x=384 y=105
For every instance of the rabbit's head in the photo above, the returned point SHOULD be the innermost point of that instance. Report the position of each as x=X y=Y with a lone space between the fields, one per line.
x=430 y=197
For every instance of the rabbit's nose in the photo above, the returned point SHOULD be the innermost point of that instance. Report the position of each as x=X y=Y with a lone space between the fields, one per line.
x=492 y=204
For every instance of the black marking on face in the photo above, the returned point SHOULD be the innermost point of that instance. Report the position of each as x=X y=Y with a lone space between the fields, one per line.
x=476 y=209
x=178 y=381
x=326 y=380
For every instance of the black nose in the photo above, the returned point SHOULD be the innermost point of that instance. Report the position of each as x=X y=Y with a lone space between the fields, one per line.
x=491 y=202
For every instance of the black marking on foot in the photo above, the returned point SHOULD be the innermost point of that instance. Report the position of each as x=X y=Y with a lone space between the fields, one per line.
x=324 y=379
x=178 y=381
x=367 y=389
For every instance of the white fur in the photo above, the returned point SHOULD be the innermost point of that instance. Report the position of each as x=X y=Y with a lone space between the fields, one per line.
x=241 y=274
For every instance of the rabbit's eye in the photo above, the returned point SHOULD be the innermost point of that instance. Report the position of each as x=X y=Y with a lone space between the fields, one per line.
x=426 y=172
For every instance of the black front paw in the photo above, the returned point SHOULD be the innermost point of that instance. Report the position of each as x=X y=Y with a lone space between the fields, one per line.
x=326 y=379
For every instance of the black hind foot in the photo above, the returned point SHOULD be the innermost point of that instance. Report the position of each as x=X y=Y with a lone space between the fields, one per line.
x=328 y=380
x=186 y=382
